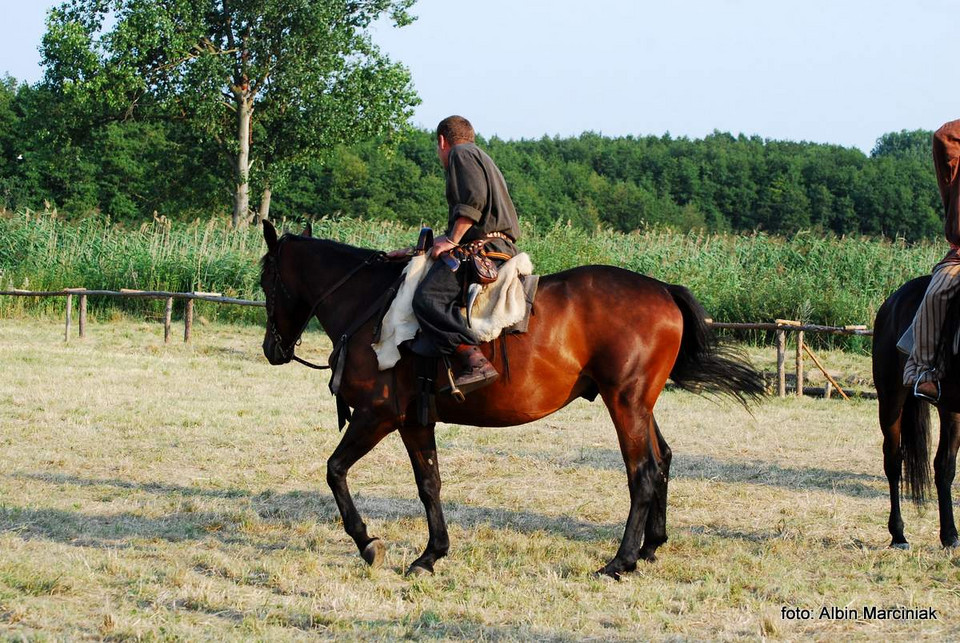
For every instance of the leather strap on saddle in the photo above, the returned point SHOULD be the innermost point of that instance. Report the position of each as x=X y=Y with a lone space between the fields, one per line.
x=338 y=358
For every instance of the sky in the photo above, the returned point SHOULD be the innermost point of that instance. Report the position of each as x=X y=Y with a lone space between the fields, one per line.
x=828 y=71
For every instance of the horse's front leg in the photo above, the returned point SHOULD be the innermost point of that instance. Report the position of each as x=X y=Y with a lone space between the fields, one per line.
x=944 y=471
x=362 y=434
x=422 y=447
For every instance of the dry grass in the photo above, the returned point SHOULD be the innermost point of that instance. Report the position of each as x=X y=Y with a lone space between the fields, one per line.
x=178 y=492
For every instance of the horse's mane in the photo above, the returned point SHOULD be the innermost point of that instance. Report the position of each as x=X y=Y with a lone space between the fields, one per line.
x=328 y=245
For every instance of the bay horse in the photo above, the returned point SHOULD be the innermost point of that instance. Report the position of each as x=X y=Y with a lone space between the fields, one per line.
x=595 y=330
x=905 y=419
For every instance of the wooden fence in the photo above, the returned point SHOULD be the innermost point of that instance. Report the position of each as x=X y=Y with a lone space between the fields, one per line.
x=83 y=293
x=781 y=326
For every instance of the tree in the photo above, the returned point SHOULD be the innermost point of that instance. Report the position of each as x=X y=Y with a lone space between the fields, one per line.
x=290 y=78
x=914 y=144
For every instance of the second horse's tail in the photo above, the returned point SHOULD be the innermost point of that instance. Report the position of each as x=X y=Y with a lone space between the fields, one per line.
x=705 y=366
x=915 y=448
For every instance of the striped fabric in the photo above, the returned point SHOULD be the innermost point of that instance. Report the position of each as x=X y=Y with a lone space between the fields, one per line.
x=923 y=362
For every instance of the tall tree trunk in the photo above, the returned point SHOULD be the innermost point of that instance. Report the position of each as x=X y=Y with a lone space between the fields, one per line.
x=264 y=213
x=241 y=202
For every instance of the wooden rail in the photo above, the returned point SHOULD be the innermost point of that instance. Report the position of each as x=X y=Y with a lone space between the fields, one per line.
x=781 y=326
x=83 y=293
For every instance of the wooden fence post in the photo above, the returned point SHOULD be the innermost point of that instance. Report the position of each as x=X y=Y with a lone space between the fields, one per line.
x=830 y=381
x=83 y=316
x=188 y=321
x=167 y=314
x=799 y=363
x=781 y=362
x=66 y=331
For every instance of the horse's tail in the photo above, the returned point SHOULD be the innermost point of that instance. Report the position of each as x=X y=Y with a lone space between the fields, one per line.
x=705 y=366
x=915 y=447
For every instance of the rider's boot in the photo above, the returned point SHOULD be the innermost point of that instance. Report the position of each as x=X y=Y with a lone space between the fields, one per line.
x=928 y=390
x=471 y=369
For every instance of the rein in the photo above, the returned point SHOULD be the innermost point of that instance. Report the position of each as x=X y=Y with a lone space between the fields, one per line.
x=290 y=354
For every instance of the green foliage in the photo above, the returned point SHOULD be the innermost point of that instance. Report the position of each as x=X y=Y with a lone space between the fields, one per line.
x=129 y=170
x=903 y=144
x=739 y=278
x=296 y=77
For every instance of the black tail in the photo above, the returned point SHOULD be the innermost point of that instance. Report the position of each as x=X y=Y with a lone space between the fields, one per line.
x=705 y=366
x=915 y=447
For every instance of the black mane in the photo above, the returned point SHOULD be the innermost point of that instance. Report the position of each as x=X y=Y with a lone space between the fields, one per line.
x=337 y=247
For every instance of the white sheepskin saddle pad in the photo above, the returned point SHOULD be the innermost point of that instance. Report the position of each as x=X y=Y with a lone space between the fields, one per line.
x=499 y=305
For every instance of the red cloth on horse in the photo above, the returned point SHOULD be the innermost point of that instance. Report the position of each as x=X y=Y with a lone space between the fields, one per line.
x=946 y=160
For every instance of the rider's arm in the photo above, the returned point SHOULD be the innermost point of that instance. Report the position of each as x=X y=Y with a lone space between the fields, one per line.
x=445 y=243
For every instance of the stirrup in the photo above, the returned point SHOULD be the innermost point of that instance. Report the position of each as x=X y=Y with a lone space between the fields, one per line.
x=454 y=390
x=923 y=396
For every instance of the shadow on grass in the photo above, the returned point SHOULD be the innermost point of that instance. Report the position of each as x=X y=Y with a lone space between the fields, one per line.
x=701 y=467
x=264 y=520
x=258 y=520
x=857 y=485
x=151 y=487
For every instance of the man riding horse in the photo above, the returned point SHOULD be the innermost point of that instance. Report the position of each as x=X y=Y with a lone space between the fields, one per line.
x=481 y=215
x=924 y=367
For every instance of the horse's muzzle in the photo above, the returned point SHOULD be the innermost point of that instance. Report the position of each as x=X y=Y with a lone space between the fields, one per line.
x=273 y=352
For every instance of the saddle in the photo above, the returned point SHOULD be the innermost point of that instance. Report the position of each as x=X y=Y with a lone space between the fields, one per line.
x=505 y=304
x=494 y=302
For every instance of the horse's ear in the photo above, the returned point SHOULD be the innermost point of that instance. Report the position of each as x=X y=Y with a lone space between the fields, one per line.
x=308 y=230
x=270 y=235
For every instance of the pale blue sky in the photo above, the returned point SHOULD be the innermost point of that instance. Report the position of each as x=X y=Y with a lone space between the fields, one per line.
x=830 y=71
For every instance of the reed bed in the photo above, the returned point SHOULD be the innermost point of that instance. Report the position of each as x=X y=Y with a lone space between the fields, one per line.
x=739 y=278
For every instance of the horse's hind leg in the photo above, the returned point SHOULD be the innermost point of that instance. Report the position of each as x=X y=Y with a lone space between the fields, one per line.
x=891 y=414
x=635 y=426
x=655 y=533
x=944 y=471
x=359 y=438
x=422 y=447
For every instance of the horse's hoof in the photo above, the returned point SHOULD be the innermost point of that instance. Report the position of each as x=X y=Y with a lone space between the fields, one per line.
x=900 y=546
x=419 y=570
x=607 y=573
x=952 y=544
x=374 y=552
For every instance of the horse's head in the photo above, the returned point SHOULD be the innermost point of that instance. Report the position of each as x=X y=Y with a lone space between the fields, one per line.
x=288 y=310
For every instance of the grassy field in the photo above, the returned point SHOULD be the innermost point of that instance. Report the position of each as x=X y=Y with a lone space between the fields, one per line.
x=177 y=492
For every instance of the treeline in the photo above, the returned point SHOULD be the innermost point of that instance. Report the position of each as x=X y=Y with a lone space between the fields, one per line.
x=129 y=170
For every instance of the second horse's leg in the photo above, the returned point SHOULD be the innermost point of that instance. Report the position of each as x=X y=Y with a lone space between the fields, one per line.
x=891 y=409
x=422 y=448
x=361 y=436
x=944 y=471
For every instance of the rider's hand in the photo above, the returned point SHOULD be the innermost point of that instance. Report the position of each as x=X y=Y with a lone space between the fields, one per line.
x=440 y=245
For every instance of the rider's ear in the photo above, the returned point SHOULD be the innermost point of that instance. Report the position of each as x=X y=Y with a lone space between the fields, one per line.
x=308 y=230
x=270 y=235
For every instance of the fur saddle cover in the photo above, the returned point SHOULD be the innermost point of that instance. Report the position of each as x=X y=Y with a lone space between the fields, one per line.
x=499 y=305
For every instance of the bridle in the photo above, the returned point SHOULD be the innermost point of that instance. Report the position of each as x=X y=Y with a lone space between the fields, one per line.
x=289 y=354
